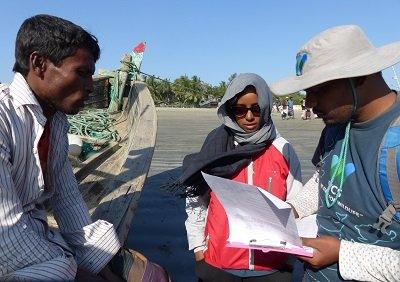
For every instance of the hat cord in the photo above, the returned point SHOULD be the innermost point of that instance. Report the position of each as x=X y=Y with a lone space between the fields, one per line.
x=341 y=164
x=339 y=170
x=355 y=100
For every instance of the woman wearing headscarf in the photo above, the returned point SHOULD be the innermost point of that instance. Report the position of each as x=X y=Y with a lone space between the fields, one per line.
x=246 y=148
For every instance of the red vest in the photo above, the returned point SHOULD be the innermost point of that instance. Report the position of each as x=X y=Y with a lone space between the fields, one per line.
x=268 y=166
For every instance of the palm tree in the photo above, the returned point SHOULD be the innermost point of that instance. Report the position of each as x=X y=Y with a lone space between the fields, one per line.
x=184 y=91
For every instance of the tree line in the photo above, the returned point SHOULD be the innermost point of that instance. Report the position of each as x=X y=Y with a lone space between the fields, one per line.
x=192 y=92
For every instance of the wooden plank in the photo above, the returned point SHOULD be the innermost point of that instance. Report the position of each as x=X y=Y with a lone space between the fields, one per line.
x=118 y=207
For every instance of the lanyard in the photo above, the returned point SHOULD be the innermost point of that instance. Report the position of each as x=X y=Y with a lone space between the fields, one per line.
x=333 y=192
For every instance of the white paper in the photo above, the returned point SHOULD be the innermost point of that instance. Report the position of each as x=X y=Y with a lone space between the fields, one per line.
x=307 y=226
x=254 y=215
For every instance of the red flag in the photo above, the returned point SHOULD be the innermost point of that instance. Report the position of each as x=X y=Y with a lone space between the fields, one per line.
x=140 y=47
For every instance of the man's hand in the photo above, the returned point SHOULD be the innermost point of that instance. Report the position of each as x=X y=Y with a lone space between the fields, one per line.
x=326 y=251
x=198 y=256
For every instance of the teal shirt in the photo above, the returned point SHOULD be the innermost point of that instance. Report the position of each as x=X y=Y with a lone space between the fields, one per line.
x=358 y=208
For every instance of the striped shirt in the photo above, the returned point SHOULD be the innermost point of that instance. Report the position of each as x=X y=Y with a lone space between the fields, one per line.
x=29 y=250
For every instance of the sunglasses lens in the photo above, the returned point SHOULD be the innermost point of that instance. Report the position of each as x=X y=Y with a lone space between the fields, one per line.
x=240 y=112
x=255 y=109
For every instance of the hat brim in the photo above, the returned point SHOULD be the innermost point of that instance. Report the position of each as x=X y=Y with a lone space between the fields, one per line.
x=365 y=64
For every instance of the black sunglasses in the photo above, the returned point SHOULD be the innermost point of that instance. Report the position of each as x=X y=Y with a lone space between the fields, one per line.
x=241 y=111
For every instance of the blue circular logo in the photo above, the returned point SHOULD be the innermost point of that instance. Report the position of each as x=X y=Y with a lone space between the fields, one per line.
x=301 y=58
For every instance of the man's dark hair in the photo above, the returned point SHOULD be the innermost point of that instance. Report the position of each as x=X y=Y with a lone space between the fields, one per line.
x=53 y=38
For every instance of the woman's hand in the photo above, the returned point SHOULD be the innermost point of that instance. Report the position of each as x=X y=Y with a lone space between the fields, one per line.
x=326 y=251
x=198 y=256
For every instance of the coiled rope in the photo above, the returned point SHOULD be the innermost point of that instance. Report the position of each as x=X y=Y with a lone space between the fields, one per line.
x=96 y=124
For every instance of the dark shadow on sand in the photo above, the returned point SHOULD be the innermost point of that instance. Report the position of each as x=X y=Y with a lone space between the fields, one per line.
x=159 y=227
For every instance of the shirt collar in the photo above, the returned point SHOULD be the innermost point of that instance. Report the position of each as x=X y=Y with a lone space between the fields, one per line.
x=21 y=92
x=22 y=95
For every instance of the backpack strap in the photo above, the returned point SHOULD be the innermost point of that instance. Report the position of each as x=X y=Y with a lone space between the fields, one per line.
x=389 y=175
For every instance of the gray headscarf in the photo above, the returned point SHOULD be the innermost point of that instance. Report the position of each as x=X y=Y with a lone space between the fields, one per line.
x=267 y=131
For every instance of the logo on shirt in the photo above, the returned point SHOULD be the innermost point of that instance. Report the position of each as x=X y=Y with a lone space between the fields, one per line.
x=340 y=165
x=338 y=173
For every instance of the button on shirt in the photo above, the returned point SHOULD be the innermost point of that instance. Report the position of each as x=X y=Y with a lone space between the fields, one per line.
x=29 y=250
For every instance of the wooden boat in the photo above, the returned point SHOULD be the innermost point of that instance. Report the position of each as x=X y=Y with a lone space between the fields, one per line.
x=111 y=180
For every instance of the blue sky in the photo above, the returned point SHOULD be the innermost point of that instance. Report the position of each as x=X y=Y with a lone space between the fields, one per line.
x=211 y=39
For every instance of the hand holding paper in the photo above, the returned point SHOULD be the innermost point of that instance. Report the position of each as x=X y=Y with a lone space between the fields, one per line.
x=326 y=251
x=257 y=219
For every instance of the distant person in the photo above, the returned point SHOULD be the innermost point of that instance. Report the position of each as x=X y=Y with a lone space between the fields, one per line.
x=303 y=109
x=356 y=189
x=285 y=103
x=54 y=63
x=284 y=108
x=275 y=107
x=245 y=148
x=305 y=112
x=290 y=105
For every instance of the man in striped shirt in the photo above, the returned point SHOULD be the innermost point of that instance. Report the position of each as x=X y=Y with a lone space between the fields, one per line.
x=54 y=63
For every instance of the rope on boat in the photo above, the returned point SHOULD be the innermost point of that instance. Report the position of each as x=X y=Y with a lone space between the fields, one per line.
x=114 y=91
x=96 y=124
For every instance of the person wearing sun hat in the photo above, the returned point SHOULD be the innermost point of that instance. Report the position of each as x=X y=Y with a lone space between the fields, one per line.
x=340 y=70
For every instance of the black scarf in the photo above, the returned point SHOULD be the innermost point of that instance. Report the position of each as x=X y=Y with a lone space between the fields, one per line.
x=218 y=156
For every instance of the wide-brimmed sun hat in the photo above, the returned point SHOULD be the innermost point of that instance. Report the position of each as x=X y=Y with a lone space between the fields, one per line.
x=338 y=52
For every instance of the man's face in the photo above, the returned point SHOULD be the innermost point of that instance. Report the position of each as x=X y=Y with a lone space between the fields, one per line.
x=332 y=101
x=67 y=86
